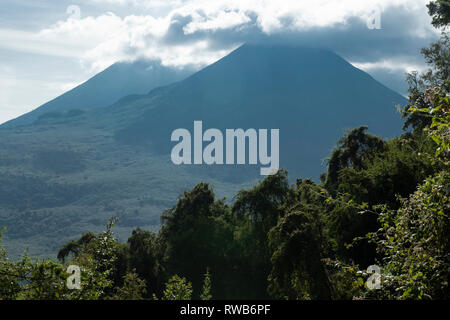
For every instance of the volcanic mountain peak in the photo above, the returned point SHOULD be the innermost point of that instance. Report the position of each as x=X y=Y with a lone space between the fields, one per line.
x=118 y=80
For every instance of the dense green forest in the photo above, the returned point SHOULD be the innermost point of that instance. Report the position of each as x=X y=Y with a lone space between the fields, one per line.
x=383 y=203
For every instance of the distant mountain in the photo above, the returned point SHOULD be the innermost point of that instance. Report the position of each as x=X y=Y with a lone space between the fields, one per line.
x=119 y=80
x=62 y=176
x=311 y=95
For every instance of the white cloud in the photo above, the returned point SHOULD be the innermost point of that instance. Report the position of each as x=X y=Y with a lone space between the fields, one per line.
x=391 y=65
x=102 y=40
x=221 y=20
x=37 y=43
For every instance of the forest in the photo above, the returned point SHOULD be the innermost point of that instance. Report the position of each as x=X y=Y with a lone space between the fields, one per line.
x=383 y=203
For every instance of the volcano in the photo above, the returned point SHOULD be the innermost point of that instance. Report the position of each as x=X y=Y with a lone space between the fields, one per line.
x=118 y=80
x=311 y=95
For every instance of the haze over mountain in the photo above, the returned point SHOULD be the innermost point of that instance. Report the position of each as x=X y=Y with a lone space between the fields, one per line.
x=118 y=80
x=65 y=175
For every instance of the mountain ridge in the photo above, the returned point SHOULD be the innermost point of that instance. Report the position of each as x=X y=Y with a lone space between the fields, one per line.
x=106 y=87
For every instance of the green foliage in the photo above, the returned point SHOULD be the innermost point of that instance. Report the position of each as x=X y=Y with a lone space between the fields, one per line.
x=416 y=244
x=298 y=244
x=206 y=291
x=347 y=282
x=198 y=226
x=28 y=280
x=133 y=288
x=44 y=280
x=258 y=209
x=145 y=256
x=378 y=172
x=353 y=151
x=75 y=247
x=398 y=169
x=9 y=275
x=439 y=10
x=177 y=289
x=97 y=261
x=439 y=111
x=425 y=88
x=414 y=238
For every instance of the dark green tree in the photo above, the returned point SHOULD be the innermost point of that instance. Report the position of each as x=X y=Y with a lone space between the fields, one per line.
x=145 y=257
x=439 y=10
x=299 y=246
x=196 y=234
x=352 y=151
x=258 y=210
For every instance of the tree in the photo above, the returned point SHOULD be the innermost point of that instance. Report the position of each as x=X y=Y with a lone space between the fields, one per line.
x=97 y=257
x=177 y=289
x=133 y=288
x=75 y=247
x=145 y=255
x=11 y=274
x=206 y=292
x=423 y=86
x=415 y=241
x=46 y=280
x=439 y=10
x=352 y=151
x=257 y=210
x=198 y=226
x=298 y=246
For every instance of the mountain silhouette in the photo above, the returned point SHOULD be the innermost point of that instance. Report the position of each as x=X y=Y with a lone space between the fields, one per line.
x=311 y=95
x=118 y=80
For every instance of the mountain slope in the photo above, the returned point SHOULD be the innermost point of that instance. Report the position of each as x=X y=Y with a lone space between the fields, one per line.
x=119 y=80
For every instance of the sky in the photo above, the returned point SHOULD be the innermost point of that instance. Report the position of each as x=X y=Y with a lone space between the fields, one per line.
x=50 y=46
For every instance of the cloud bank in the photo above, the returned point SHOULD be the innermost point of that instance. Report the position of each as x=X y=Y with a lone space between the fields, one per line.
x=198 y=32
